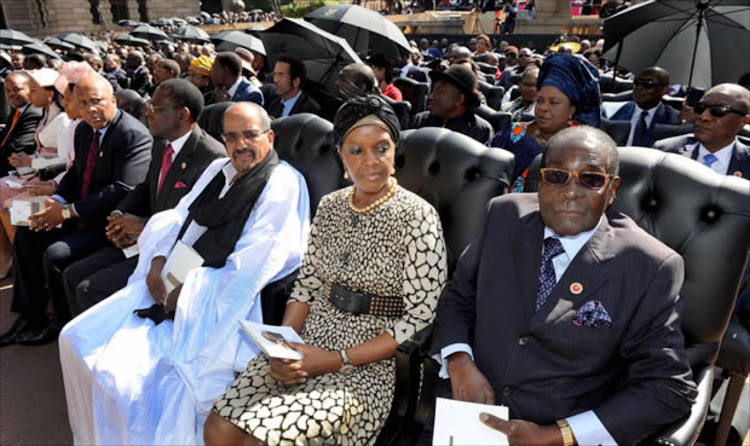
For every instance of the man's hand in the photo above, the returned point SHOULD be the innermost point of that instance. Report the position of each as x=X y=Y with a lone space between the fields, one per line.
x=41 y=187
x=123 y=229
x=525 y=433
x=48 y=218
x=19 y=160
x=467 y=382
x=171 y=304
x=315 y=361
x=154 y=282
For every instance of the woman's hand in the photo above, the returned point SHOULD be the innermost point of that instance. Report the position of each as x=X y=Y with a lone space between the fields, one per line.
x=41 y=187
x=315 y=361
x=20 y=159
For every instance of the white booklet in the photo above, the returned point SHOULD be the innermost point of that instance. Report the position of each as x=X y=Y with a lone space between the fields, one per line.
x=23 y=206
x=273 y=340
x=457 y=424
x=181 y=261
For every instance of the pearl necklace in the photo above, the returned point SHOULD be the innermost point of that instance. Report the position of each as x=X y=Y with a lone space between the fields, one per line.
x=391 y=192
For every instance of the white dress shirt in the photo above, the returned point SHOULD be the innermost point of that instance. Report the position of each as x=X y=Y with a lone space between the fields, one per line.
x=637 y=117
x=723 y=158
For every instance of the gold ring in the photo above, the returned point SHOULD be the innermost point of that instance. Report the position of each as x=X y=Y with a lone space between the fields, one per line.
x=117 y=227
x=46 y=224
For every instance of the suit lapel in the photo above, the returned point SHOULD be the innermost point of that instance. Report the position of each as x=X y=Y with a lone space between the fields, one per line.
x=625 y=113
x=740 y=161
x=528 y=250
x=183 y=158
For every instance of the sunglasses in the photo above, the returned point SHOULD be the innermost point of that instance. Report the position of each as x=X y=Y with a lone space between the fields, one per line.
x=251 y=135
x=646 y=83
x=561 y=177
x=717 y=111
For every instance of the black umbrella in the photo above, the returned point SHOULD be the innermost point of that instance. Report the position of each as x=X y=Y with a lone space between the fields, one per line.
x=700 y=42
x=149 y=32
x=323 y=53
x=178 y=21
x=13 y=40
x=191 y=34
x=54 y=42
x=366 y=30
x=128 y=23
x=229 y=40
x=194 y=21
x=78 y=41
x=162 y=22
x=40 y=49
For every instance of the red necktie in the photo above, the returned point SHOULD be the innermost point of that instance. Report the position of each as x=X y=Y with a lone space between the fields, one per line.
x=90 y=164
x=12 y=126
x=166 y=163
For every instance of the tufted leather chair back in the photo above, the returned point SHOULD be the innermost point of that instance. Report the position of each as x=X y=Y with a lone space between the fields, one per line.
x=414 y=92
x=455 y=174
x=494 y=95
x=622 y=96
x=211 y=119
x=498 y=119
x=662 y=131
x=303 y=141
x=609 y=84
x=703 y=216
x=617 y=130
x=402 y=109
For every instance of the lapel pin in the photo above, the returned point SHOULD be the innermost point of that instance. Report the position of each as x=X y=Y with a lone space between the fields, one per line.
x=184 y=166
x=101 y=154
x=576 y=288
x=738 y=174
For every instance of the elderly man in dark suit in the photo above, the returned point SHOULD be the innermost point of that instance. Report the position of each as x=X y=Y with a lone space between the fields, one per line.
x=289 y=75
x=226 y=74
x=112 y=154
x=646 y=109
x=180 y=155
x=565 y=311
x=18 y=134
x=720 y=116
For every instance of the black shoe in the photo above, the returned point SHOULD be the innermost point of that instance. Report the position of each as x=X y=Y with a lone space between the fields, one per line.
x=10 y=337
x=38 y=336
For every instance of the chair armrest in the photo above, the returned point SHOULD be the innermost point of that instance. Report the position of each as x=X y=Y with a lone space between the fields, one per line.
x=686 y=431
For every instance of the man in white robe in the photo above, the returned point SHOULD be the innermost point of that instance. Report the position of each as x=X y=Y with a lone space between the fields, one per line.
x=131 y=381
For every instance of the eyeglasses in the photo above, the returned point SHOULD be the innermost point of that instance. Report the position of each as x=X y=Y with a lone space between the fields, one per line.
x=646 y=83
x=717 y=111
x=561 y=177
x=249 y=134
x=151 y=108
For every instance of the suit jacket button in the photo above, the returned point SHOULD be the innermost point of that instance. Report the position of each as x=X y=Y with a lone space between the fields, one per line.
x=523 y=340
x=506 y=391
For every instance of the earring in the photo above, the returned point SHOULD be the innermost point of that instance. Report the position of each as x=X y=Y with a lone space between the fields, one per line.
x=393 y=170
x=346 y=175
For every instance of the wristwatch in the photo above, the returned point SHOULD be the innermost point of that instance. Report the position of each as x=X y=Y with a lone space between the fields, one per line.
x=567 y=432
x=66 y=212
x=347 y=366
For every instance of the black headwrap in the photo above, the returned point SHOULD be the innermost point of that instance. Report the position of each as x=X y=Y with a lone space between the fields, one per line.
x=357 y=108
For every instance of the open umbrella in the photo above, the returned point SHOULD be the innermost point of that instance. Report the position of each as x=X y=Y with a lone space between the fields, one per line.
x=55 y=43
x=323 y=53
x=162 y=22
x=149 y=32
x=232 y=39
x=178 y=21
x=194 y=21
x=128 y=40
x=700 y=42
x=40 y=49
x=78 y=41
x=13 y=40
x=191 y=34
x=366 y=30
x=128 y=23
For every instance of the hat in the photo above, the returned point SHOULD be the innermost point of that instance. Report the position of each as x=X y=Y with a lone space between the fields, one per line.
x=45 y=77
x=202 y=65
x=462 y=78
x=578 y=80
x=573 y=46
x=364 y=110
x=246 y=57
x=71 y=73
x=511 y=49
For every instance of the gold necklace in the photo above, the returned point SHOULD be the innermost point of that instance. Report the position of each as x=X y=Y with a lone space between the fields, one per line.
x=391 y=192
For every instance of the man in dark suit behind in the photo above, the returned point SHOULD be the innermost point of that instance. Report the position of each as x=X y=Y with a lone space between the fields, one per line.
x=18 y=134
x=646 y=109
x=588 y=346
x=288 y=77
x=226 y=75
x=724 y=110
x=112 y=154
x=180 y=155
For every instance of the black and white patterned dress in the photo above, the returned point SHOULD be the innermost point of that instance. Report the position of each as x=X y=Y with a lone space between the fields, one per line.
x=397 y=249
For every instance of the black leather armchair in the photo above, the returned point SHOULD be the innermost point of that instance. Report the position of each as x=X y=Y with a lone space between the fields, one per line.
x=498 y=119
x=402 y=109
x=414 y=92
x=617 y=130
x=211 y=119
x=493 y=94
x=622 y=96
x=458 y=176
x=705 y=217
x=610 y=84
x=662 y=131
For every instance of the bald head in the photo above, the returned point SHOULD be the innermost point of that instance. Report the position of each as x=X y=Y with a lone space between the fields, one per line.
x=658 y=73
x=247 y=135
x=355 y=79
x=587 y=136
x=459 y=53
x=737 y=95
x=96 y=101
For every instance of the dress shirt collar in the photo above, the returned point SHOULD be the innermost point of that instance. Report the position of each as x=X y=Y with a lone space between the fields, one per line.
x=178 y=143
x=723 y=155
x=572 y=244
x=233 y=89
x=288 y=104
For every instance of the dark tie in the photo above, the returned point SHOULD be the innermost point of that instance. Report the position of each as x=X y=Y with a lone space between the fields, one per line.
x=166 y=163
x=90 y=165
x=547 y=281
x=709 y=159
x=640 y=135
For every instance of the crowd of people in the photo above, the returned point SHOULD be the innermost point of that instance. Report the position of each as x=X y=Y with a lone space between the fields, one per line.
x=131 y=178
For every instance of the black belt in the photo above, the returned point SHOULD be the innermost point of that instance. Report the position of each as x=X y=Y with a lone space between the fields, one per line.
x=365 y=303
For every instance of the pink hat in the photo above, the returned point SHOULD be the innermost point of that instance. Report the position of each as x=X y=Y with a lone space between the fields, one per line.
x=45 y=77
x=71 y=73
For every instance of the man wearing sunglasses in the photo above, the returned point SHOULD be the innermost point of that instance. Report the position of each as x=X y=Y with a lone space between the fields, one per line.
x=646 y=109
x=564 y=311
x=720 y=116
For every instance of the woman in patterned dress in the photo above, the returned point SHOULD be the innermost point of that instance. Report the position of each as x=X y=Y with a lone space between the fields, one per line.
x=372 y=274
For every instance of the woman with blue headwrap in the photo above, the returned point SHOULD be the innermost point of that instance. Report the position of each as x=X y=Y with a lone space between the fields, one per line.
x=567 y=95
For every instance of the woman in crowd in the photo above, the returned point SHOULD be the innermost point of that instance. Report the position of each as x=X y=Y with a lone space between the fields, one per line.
x=374 y=247
x=524 y=103
x=568 y=95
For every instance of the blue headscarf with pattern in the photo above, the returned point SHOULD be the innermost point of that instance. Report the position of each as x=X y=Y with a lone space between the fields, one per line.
x=578 y=80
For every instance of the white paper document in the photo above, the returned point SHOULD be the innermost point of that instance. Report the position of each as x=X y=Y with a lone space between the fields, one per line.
x=181 y=261
x=130 y=251
x=273 y=340
x=23 y=206
x=457 y=424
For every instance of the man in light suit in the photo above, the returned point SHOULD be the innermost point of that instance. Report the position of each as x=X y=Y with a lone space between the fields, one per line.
x=112 y=154
x=289 y=75
x=725 y=109
x=565 y=312
x=18 y=134
x=180 y=155
x=226 y=74
x=646 y=109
